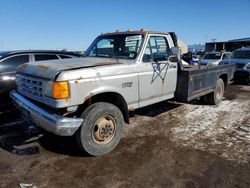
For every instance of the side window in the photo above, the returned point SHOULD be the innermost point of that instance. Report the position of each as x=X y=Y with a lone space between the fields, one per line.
x=43 y=57
x=228 y=56
x=156 y=49
x=224 y=56
x=12 y=63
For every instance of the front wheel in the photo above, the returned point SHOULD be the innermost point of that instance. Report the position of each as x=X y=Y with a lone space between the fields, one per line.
x=101 y=130
x=216 y=97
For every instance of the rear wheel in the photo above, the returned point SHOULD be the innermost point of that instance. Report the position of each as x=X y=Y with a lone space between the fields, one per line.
x=216 y=97
x=101 y=130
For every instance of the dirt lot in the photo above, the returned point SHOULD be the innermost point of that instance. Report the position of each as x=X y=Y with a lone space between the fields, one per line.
x=166 y=145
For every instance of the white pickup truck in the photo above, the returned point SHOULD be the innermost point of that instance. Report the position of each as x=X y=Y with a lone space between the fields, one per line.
x=91 y=97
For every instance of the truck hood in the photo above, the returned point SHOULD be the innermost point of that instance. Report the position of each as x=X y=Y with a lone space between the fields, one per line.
x=50 y=69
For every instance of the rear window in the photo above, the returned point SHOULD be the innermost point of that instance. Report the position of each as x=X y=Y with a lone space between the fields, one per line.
x=212 y=56
x=44 y=57
x=10 y=64
x=241 y=54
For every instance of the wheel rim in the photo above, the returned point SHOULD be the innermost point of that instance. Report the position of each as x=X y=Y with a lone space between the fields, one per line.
x=219 y=92
x=104 y=129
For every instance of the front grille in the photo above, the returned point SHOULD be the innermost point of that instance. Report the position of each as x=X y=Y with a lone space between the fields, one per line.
x=239 y=66
x=29 y=86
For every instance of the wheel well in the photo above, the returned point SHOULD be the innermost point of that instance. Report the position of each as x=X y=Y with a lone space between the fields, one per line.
x=224 y=78
x=110 y=97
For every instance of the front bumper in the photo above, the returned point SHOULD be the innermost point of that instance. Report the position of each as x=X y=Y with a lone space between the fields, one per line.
x=58 y=125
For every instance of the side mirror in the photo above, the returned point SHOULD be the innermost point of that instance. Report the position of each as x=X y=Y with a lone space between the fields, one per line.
x=175 y=53
x=175 y=56
x=175 y=50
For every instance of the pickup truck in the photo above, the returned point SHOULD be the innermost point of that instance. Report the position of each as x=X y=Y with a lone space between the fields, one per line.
x=90 y=97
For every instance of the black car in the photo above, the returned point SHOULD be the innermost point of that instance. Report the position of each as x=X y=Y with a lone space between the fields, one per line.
x=10 y=60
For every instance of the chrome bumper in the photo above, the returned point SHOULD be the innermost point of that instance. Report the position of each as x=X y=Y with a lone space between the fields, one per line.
x=58 y=125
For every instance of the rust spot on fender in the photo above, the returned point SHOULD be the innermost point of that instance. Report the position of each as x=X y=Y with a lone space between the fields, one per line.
x=77 y=80
x=89 y=96
x=43 y=67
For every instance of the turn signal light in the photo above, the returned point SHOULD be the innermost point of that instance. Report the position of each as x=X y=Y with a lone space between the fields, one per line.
x=60 y=90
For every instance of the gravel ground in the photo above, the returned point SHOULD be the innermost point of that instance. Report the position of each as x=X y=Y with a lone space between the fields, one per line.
x=169 y=144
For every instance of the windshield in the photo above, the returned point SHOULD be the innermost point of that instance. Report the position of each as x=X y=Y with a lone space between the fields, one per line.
x=241 y=54
x=212 y=56
x=115 y=46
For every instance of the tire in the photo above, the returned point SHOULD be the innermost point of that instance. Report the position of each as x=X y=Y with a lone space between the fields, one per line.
x=101 y=130
x=215 y=97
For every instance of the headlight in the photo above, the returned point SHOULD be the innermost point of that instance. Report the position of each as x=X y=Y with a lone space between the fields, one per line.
x=58 y=90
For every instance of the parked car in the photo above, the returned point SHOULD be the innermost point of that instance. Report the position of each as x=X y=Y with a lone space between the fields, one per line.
x=187 y=57
x=91 y=97
x=214 y=58
x=10 y=60
x=240 y=57
x=195 y=59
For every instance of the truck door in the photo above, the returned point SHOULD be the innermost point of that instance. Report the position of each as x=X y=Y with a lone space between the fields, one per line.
x=158 y=76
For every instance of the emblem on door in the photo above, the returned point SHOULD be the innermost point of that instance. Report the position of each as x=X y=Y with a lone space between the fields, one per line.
x=127 y=84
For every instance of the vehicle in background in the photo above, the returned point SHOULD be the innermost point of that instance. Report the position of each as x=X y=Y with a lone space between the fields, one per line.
x=91 y=97
x=214 y=58
x=186 y=58
x=10 y=60
x=241 y=58
x=195 y=59
x=200 y=52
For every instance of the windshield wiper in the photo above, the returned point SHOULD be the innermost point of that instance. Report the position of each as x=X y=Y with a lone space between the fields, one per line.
x=103 y=55
x=124 y=57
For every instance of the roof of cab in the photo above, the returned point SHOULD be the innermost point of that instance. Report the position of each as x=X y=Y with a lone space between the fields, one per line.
x=132 y=32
